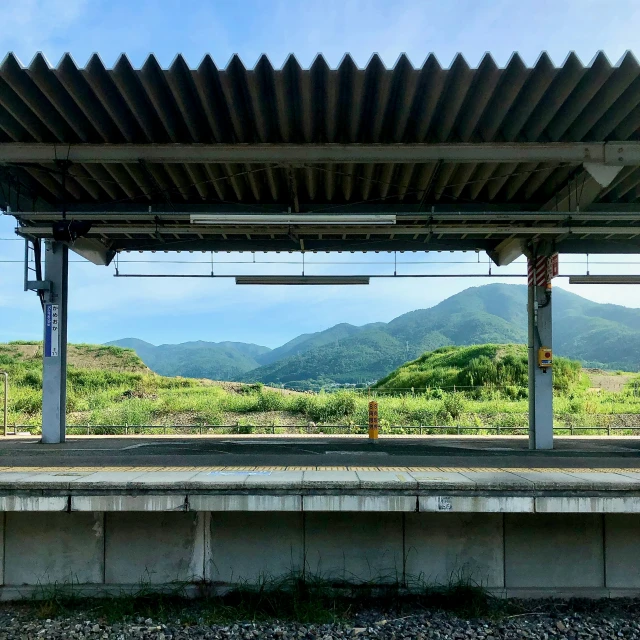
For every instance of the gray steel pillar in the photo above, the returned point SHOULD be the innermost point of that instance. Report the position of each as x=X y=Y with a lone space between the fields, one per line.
x=540 y=380
x=54 y=369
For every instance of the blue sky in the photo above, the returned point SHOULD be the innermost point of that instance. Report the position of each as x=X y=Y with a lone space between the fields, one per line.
x=104 y=308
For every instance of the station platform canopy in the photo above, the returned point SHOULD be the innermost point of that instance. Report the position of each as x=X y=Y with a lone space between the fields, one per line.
x=323 y=159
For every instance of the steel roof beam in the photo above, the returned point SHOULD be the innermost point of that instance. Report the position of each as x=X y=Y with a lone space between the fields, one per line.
x=110 y=231
x=609 y=153
x=402 y=217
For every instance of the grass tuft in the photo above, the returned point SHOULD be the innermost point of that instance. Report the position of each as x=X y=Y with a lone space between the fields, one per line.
x=290 y=598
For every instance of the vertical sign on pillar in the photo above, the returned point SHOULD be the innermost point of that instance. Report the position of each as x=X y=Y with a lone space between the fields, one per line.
x=51 y=331
x=554 y=269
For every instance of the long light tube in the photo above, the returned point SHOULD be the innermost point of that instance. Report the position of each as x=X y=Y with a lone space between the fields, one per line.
x=291 y=220
x=302 y=280
x=604 y=280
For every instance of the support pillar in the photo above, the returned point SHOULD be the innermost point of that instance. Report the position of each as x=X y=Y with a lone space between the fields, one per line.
x=540 y=380
x=54 y=368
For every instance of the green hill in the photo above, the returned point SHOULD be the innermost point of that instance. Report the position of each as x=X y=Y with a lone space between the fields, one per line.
x=27 y=356
x=355 y=360
x=602 y=336
x=199 y=359
x=467 y=368
x=309 y=341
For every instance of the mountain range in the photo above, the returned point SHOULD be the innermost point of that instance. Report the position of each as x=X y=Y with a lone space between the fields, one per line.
x=599 y=335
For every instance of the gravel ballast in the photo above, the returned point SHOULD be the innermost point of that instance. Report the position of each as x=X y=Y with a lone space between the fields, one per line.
x=540 y=620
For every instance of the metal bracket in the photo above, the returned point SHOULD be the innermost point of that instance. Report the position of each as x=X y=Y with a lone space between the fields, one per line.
x=603 y=174
x=38 y=285
x=622 y=153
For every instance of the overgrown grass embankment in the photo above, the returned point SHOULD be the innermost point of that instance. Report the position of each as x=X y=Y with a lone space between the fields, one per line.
x=124 y=392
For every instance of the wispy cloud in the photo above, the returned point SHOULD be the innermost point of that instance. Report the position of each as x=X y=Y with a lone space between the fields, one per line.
x=30 y=26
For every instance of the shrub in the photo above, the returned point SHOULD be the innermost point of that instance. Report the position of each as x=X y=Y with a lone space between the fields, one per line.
x=514 y=392
x=256 y=387
x=302 y=404
x=270 y=401
x=341 y=404
x=25 y=400
x=576 y=405
x=512 y=421
x=419 y=417
x=33 y=379
x=453 y=405
x=327 y=407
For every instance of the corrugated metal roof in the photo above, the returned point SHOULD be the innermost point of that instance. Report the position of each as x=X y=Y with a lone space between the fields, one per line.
x=430 y=104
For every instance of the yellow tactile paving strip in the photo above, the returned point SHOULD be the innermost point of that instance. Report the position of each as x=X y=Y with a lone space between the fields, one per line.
x=317 y=468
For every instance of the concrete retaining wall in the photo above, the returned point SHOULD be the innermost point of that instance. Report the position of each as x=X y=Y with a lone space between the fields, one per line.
x=523 y=554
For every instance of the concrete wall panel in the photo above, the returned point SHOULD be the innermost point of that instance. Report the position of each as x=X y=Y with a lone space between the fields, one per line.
x=554 y=550
x=34 y=503
x=446 y=547
x=128 y=503
x=476 y=504
x=359 y=503
x=244 y=502
x=254 y=546
x=594 y=504
x=354 y=547
x=539 y=554
x=622 y=551
x=2 y=526
x=154 y=547
x=62 y=548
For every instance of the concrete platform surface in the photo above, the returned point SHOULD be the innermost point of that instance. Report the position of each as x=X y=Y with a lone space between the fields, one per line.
x=358 y=489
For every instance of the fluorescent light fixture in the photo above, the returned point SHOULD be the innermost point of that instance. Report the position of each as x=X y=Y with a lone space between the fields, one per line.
x=604 y=280
x=302 y=279
x=291 y=220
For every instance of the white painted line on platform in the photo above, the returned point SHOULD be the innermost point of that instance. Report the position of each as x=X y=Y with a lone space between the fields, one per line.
x=387 y=480
x=240 y=473
x=155 y=444
x=442 y=479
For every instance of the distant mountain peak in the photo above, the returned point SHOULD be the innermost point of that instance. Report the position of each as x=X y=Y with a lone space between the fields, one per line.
x=601 y=335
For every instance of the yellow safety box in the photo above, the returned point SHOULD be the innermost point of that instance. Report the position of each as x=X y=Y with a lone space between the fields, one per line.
x=545 y=357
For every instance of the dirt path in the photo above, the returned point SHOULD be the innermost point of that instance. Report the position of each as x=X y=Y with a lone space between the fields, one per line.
x=608 y=381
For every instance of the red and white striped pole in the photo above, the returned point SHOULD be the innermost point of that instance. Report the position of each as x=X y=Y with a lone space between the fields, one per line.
x=540 y=272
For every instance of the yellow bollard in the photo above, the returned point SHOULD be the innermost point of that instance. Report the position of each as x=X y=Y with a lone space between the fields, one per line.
x=373 y=420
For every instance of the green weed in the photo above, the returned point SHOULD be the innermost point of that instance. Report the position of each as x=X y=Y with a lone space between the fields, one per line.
x=306 y=600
